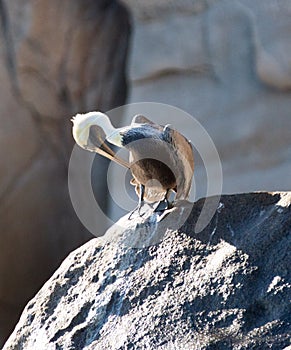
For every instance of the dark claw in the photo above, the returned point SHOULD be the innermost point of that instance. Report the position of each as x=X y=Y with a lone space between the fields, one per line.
x=162 y=206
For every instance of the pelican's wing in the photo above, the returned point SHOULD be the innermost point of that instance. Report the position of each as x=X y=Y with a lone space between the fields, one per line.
x=183 y=149
x=97 y=138
x=183 y=146
x=141 y=119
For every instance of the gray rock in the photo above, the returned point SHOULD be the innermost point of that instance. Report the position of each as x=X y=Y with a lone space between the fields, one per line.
x=227 y=287
x=56 y=59
x=151 y=10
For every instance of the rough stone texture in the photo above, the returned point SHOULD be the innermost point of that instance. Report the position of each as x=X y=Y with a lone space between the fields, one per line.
x=227 y=287
x=227 y=63
x=151 y=9
x=56 y=59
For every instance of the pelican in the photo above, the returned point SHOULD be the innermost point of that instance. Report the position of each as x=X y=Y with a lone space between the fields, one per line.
x=160 y=158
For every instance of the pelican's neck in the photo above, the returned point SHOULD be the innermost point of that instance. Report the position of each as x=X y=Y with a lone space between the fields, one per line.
x=105 y=125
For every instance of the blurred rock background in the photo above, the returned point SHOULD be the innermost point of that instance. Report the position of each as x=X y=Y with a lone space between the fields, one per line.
x=57 y=58
x=226 y=62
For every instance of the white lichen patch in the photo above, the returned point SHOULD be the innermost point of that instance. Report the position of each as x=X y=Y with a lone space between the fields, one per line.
x=285 y=200
x=277 y=285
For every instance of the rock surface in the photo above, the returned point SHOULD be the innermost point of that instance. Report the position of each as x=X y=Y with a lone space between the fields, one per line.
x=227 y=287
x=56 y=59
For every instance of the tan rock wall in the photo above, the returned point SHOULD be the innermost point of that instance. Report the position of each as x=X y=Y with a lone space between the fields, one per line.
x=228 y=64
x=56 y=59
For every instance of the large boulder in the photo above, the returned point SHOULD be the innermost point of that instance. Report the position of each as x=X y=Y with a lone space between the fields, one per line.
x=150 y=284
x=56 y=59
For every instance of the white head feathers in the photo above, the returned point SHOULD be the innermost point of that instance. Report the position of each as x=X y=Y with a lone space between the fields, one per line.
x=83 y=122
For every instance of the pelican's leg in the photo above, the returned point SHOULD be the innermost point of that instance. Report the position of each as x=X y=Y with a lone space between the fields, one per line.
x=141 y=197
x=140 y=201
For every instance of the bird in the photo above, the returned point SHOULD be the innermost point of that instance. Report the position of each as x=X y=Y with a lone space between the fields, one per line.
x=161 y=160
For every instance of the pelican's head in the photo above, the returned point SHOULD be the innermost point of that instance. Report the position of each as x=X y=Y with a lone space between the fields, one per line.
x=82 y=124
